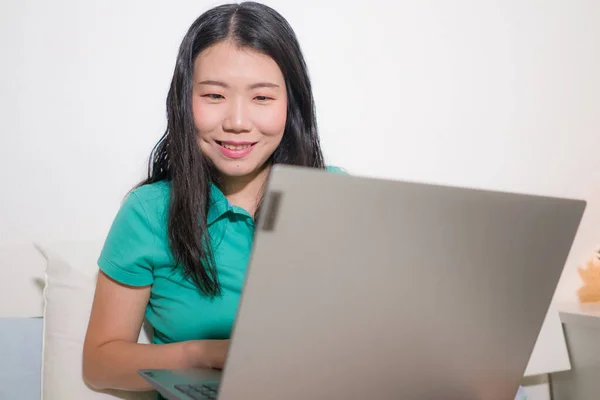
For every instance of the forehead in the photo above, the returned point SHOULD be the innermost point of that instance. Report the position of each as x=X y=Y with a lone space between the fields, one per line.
x=228 y=61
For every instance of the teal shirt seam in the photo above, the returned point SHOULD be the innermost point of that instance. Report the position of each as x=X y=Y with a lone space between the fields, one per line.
x=116 y=269
x=154 y=235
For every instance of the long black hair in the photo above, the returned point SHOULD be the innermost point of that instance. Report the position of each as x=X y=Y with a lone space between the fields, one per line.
x=177 y=157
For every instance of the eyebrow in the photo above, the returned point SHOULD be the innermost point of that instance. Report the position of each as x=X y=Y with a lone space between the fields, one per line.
x=253 y=86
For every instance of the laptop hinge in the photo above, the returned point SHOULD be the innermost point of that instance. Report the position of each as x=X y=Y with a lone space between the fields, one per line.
x=272 y=211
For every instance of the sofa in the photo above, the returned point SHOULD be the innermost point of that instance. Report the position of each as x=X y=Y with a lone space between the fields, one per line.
x=47 y=291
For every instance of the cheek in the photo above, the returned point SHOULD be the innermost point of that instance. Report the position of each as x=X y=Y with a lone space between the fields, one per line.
x=206 y=119
x=270 y=121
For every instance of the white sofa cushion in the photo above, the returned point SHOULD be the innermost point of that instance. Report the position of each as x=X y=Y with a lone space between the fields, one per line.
x=21 y=276
x=70 y=280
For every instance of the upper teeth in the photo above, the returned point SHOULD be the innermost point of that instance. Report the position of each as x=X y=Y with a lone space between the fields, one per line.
x=234 y=147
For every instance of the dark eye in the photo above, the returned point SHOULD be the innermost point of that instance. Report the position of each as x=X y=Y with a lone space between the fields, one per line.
x=262 y=98
x=213 y=96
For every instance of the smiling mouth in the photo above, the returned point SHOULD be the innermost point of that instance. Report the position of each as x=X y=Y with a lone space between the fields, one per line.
x=235 y=147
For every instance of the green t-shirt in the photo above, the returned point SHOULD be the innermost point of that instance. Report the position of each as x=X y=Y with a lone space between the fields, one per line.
x=137 y=253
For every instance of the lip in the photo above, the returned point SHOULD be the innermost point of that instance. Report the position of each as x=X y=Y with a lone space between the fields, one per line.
x=235 y=154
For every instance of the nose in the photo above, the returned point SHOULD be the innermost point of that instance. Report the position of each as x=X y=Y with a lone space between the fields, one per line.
x=237 y=119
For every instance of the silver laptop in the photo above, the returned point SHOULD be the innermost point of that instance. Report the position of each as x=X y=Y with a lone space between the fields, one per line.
x=363 y=288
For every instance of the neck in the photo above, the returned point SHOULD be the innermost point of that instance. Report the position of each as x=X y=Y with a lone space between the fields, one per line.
x=245 y=191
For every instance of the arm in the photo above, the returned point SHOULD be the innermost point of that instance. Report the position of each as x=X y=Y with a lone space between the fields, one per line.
x=111 y=354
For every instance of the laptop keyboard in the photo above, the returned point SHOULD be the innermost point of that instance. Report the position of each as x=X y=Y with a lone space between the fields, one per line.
x=204 y=391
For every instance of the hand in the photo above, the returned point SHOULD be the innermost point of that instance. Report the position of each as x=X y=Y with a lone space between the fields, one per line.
x=207 y=353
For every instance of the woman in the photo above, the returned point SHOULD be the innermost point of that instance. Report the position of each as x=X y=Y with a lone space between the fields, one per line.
x=240 y=100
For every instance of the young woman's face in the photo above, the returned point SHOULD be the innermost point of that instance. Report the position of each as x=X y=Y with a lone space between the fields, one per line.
x=240 y=107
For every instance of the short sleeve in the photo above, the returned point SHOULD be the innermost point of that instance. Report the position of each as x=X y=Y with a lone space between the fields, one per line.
x=127 y=253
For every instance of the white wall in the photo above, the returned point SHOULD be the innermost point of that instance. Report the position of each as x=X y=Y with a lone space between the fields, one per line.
x=495 y=94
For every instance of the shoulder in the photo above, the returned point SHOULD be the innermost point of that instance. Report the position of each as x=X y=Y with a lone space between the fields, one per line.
x=152 y=194
x=336 y=170
x=151 y=199
x=142 y=214
x=133 y=241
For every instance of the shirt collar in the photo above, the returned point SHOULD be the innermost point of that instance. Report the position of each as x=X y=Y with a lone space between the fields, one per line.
x=218 y=204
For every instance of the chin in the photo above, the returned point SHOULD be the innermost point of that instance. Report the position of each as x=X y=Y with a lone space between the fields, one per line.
x=238 y=168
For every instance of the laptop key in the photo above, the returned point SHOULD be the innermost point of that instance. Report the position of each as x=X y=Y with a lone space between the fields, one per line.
x=205 y=391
